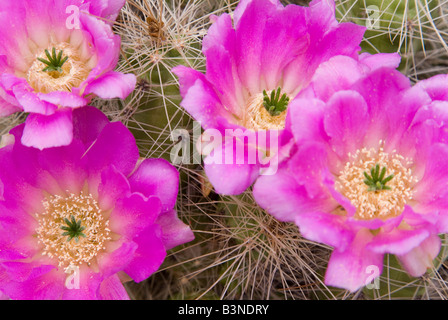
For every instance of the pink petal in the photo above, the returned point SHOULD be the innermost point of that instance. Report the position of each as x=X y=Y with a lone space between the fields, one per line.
x=388 y=85
x=48 y=286
x=304 y=114
x=156 y=177
x=113 y=186
x=106 y=45
x=112 y=289
x=380 y=60
x=133 y=214
x=117 y=256
x=89 y=284
x=174 y=231
x=307 y=166
x=351 y=268
x=108 y=9
x=398 y=241
x=31 y=102
x=66 y=165
x=88 y=122
x=325 y=228
x=338 y=73
x=431 y=189
x=242 y=7
x=229 y=171
x=200 y=99
x=104 y=152
x=250 y=42
x=63 y=99
x=48 y=131
x=346 y=122
x=149 y=255
x=436 y=87
x=112 y=85
x=283 y=197
x=219 y=49
x=7 y=106
x=419 y=259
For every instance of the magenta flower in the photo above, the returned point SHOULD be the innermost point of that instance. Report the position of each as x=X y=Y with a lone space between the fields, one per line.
x=92 y=207
x=256 y=63
x=55 y=55
x=367 y=174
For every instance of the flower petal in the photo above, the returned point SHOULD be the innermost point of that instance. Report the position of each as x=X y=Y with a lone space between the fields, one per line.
x=103 y=152
x=63 y=99
x=112 y=85
x=283 y=197
x=112 y=289
x=229 y=171
x=157 y=177
x=48 y=131
x=133 y=214
x=419 y=259
x=88 y=122
x=346 y=122
x=351 y=268
x=398 y=241
x=174 y=231
x=200 y=99
x=325 y=228
x=113 y=186
x=149 y=255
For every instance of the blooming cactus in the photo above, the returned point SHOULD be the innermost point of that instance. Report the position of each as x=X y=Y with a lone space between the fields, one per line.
x=367 y=172
x=257 y=62
x=55 y=55
x=90 y=207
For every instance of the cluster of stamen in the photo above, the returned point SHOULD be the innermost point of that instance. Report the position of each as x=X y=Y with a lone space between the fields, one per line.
x=266 y=111
x=363 y=181
x=59 y=68
x=72 y=229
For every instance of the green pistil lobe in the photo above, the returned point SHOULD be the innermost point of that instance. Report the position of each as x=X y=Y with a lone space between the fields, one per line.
x=376 y=181
x=54 y=62
x=73 y=229
x=275 y=104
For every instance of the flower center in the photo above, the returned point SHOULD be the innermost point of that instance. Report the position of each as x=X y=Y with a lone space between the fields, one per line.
x=377 y=183
x=59 y=68
x=267 y=111
x=54 y=62
x=376 y=180
x=72 y=229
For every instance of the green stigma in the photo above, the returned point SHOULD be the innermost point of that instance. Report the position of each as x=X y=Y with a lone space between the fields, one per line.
x=73 y=229
x=275 y=104
x=54 y=62
x=376 y=181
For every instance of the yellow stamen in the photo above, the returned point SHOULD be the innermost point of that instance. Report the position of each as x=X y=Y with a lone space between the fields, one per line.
x=55 y=244
x=74 y=71
x=382 y=204
x=258 y=118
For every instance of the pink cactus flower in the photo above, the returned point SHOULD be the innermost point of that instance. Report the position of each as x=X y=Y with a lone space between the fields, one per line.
x=55 y=55
x=77 y=221
x=367 y=173
x=258 y=61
